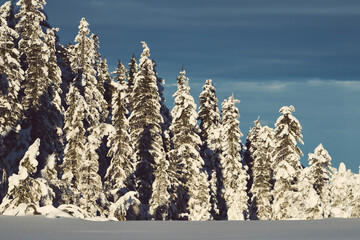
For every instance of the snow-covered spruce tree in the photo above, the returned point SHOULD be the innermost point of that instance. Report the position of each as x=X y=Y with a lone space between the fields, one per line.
x=340 y=183
x=251 y=146
x=320 y=163
x=83 y=64
x=42 y=112
x=26 y=193
x=133 y=69
x=210 y=126
x=234 y=173
x=92 y=197
x=34 y=50
x=120 y=76
x=160 y=199
x=308 y=204
x=118 y=178
x=145 y=128
x=11 y=75
x=54 y=110
x=261 y=151
x=188 y=176
x=286 y=164
x=84 y=56
x=75 y=145
x=355 y=201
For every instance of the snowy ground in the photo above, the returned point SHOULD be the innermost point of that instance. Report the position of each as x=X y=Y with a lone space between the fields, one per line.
x=42 y=228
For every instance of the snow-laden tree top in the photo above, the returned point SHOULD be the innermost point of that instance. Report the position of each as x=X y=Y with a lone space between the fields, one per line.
x=4 y=12
x=320 y=154
x=289 y=126
x=287 y=110
x=83 y=30
x=31 y=6
x=28 y=165
x=145 y=54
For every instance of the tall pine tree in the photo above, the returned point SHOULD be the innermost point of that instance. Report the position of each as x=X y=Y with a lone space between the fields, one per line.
x=210 y=126
x=145 y=126
x=189 y=179
x=34 y=51
x=233 y=171
x=75 y=145
x=118 y=179
x=319 y=165
x=43 y=114
x=251 y=147
x=84 y=59
x=286 y=163
x=261 y=152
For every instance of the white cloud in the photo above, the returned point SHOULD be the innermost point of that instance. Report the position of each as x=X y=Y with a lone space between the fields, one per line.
x=247 y=86
x=349 y=85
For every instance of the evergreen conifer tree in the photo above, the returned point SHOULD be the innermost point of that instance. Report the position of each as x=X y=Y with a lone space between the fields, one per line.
x=286 y=164
x=262 y=150
x=118 y=179
x=84 y=65
x=120 y=75
x=34 y=50
x=75 y=144
x=26 y=193
x=41 y=103
x=92 y=197
x=233 y=171
x=84 y=59
x=189 y=179
x=308 y=204
x=320 y=163
x=210 y=126
x=251 y=147
x=120 y=78
x=160 y=203
x=145 y=127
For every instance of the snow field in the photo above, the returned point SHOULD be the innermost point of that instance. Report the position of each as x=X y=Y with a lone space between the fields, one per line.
x=42 y=228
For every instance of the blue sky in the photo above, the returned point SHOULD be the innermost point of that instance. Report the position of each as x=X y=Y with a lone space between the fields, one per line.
x=267 y=53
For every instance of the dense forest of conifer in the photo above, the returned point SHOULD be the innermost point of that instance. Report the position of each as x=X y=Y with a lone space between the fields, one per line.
x=93 y=143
